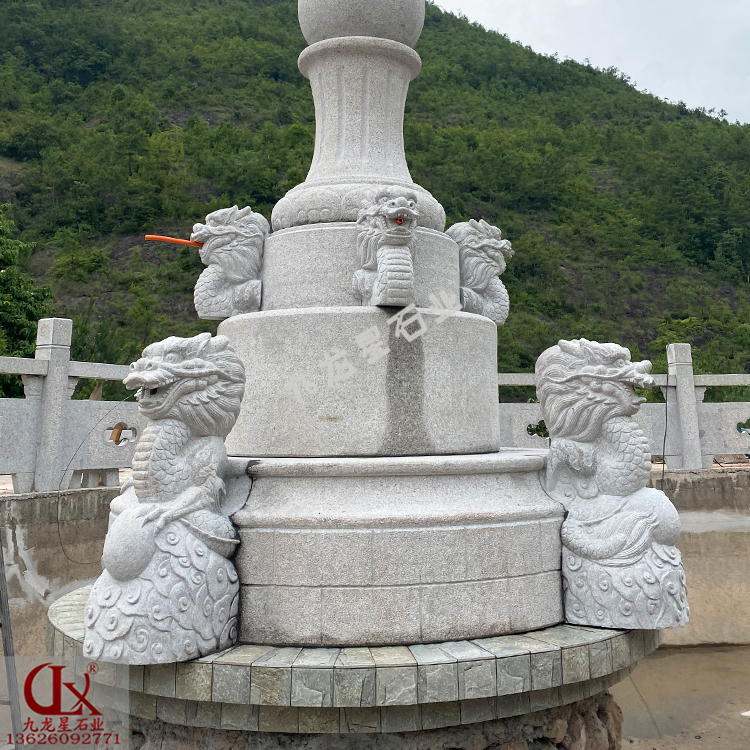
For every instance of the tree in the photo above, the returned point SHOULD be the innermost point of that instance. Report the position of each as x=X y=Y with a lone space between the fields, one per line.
x=22 y=303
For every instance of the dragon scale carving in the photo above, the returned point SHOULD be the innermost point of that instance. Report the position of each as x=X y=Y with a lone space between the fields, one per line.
x=620 y=566
x=482 y=254
x=168 y=591
x=232 y=249
x=385 y=246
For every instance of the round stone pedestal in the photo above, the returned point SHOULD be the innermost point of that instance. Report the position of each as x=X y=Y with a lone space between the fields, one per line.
x=460 y=694
x=384 y=551
x=311 y=392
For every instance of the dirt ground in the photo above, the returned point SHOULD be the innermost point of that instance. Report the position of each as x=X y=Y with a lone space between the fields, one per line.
x=688 y=699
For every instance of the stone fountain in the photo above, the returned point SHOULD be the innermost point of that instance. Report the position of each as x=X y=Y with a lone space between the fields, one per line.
x=397 y=569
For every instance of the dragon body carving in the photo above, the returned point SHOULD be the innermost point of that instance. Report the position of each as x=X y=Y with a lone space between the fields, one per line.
x=385 y=245
x=232 y=249
x=481 y=255
x=619 y=563
x=168 y=591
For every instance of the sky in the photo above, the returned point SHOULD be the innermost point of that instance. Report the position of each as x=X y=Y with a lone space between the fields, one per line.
x=696 y=51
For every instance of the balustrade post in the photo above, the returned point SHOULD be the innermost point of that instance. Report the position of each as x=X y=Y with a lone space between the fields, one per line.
x=52 y=344
x=680 y=369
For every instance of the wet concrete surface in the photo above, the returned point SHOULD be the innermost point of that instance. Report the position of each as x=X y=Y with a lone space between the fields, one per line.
x=688 y=698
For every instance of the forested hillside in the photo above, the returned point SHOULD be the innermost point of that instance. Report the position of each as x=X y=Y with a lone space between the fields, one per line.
x=630 y=217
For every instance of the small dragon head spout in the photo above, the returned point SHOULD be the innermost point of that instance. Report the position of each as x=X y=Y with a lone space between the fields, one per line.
x=199 y=380
x=233 y=239
x=481 y=252
x=390 y=219
x=582 y=384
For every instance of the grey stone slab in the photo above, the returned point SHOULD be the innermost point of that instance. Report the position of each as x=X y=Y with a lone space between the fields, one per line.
x=575 y=664
x=437 y=683
x=160 y=679
x=312 y=687
x=131 y=677
x=437 y=715
x=563 y=635
x=256 y=563
x=546 y=670
x=600 y=655
x=400 y=719
x=541 y=699
x=637 y=647
x=537 y=601
x=143 y=705
x=355 y=658
x=370 y=615
x=512 y=705
x=513 y=674
x=242 y=655
x=550 y=544
x=415 y=556
x=572 y=692
x=315 y=558
x=278 y=719
x=359 y=720
x=280 y=614
x=477 y=679
x=465 y=650
x=203 y=714
x=620 y=646
x=239 y=718
x=504 y=645
x=271 y=686
x=170 y=710
x=353 y=688
x=271 y=677
x=278 y=657
x=504 y=551
x=318 y=720
x=231 y=684
x=316 y=658
x=396 y=686
x=194 y=681
x=442 y=606
x=431 y=653
x=478 y=709
x=392 y=656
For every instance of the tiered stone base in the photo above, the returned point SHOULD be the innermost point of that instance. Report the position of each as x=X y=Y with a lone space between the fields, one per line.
x=512 y=688
x=591 y=724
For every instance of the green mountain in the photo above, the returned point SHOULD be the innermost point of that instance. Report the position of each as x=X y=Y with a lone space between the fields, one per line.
x=630 y=216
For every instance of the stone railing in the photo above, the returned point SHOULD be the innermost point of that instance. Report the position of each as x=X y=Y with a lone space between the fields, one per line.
x=49 y=442
x=696 y=432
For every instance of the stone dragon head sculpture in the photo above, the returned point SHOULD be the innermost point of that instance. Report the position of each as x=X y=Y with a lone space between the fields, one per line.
x=384 y=247
x=482 y=254
x=582 y=384
x=199 y=381
x=232 y=249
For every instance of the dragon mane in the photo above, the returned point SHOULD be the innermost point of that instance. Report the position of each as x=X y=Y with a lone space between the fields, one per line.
x=574 y=384
x=212 y=409
x=482 y=252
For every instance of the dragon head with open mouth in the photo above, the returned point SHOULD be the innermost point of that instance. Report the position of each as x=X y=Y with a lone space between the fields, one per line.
x=199 y=380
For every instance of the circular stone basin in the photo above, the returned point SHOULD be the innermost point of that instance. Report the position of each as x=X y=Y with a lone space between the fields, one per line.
x=388 y=689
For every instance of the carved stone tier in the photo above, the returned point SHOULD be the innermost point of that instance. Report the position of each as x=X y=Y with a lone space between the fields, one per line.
x=436 y=394
x=370 y=690
x=381 y=551
x=313 y=266
x=359 y=85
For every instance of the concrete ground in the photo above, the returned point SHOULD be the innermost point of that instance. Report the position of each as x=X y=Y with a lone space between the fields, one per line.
x=688 y=699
